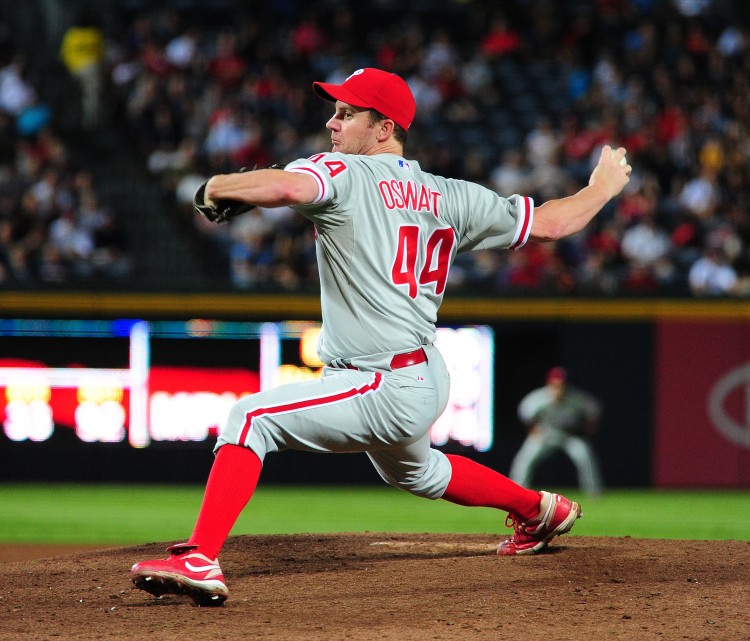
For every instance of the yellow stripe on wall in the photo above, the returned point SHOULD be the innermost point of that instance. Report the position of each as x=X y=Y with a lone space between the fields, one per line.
x=290 y=306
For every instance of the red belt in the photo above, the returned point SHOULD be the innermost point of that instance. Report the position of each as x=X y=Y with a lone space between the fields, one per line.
x=405 y=360
x=410 y=358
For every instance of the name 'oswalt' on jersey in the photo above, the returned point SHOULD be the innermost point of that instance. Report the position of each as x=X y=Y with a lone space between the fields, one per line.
x=387 y=234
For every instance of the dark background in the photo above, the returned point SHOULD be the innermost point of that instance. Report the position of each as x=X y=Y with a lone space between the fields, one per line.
x=611 y=360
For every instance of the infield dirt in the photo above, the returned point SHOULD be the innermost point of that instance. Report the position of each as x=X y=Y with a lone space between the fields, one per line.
x=390 y=587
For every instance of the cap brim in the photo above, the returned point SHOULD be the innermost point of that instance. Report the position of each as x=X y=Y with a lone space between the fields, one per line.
x=332 y=93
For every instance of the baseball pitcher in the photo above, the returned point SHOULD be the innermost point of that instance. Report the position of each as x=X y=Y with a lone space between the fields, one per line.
x=387 y=234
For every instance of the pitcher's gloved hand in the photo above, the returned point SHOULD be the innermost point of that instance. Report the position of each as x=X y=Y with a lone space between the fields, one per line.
x=221 y=211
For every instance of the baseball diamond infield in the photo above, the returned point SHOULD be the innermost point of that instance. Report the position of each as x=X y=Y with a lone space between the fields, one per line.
x=397 y=587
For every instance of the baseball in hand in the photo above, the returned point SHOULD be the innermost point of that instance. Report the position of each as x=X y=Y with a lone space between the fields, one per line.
x=623 y=161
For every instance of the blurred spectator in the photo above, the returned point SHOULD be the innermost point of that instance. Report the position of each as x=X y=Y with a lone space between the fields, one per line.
x=73 y=243
x=712 y=275
x=511 y=176
x=439 y=53
x=82 y=51
x=227 y=65
x=181 y=50
x=700 y=195
x=692 y=8
x=542 y=143
x=549 y=180
x=733 y=41
x=16 y=91
x=476 y=77
x=593 y=277
x=426 y=94
x=501 y=40
x=251 y=254
x=643 y=244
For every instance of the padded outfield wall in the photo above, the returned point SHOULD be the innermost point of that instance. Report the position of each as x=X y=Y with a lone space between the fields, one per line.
x=674 y=378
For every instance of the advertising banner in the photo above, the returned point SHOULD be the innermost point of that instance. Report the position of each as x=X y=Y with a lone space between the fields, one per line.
x=702 y=404
x=176 y=381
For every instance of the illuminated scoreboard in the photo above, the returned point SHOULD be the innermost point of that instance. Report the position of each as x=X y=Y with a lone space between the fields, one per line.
x=142 y=381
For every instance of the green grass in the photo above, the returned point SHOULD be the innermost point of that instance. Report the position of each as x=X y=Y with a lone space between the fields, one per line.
x=121 y=515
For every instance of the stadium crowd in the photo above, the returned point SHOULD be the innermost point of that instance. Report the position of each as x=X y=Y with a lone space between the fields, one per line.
x=518 y=96
x=53 y=227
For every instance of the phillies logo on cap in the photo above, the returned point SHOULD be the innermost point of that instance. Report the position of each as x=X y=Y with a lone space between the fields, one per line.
x=356 y=73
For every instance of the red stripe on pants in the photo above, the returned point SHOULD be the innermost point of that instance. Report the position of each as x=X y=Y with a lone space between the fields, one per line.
x=307 y=404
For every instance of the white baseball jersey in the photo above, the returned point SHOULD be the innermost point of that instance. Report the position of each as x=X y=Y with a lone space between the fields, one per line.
x=569 y=414
x=387 y=234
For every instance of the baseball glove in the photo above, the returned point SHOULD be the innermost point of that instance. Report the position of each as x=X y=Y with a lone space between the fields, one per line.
x=222 y=210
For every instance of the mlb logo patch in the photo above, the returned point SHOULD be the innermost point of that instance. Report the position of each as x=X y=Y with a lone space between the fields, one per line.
x=403 y=164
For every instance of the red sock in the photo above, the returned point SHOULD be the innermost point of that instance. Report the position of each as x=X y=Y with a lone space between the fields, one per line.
x=230 y=486
x=475 y=485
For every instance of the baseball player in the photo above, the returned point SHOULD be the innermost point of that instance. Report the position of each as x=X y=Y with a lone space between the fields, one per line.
x=387 y=234
x=563 y=418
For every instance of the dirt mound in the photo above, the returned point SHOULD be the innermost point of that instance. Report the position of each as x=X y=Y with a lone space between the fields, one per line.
x=397 y=587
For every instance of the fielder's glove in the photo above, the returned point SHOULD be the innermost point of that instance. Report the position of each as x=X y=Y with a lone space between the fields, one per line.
x=222 y=210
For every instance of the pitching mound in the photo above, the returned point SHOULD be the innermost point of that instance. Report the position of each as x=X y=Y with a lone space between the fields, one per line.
x=397 y=587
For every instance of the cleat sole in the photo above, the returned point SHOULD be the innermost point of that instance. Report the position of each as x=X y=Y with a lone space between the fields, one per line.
x=159 y=585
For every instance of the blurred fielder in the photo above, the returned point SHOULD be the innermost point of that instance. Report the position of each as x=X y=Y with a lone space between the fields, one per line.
x=559 y=418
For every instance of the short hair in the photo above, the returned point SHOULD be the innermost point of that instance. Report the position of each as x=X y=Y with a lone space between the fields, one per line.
x=399 y=133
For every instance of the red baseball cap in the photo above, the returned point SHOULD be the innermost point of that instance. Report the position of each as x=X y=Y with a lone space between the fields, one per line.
x=375 y=89
x=556 y=375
